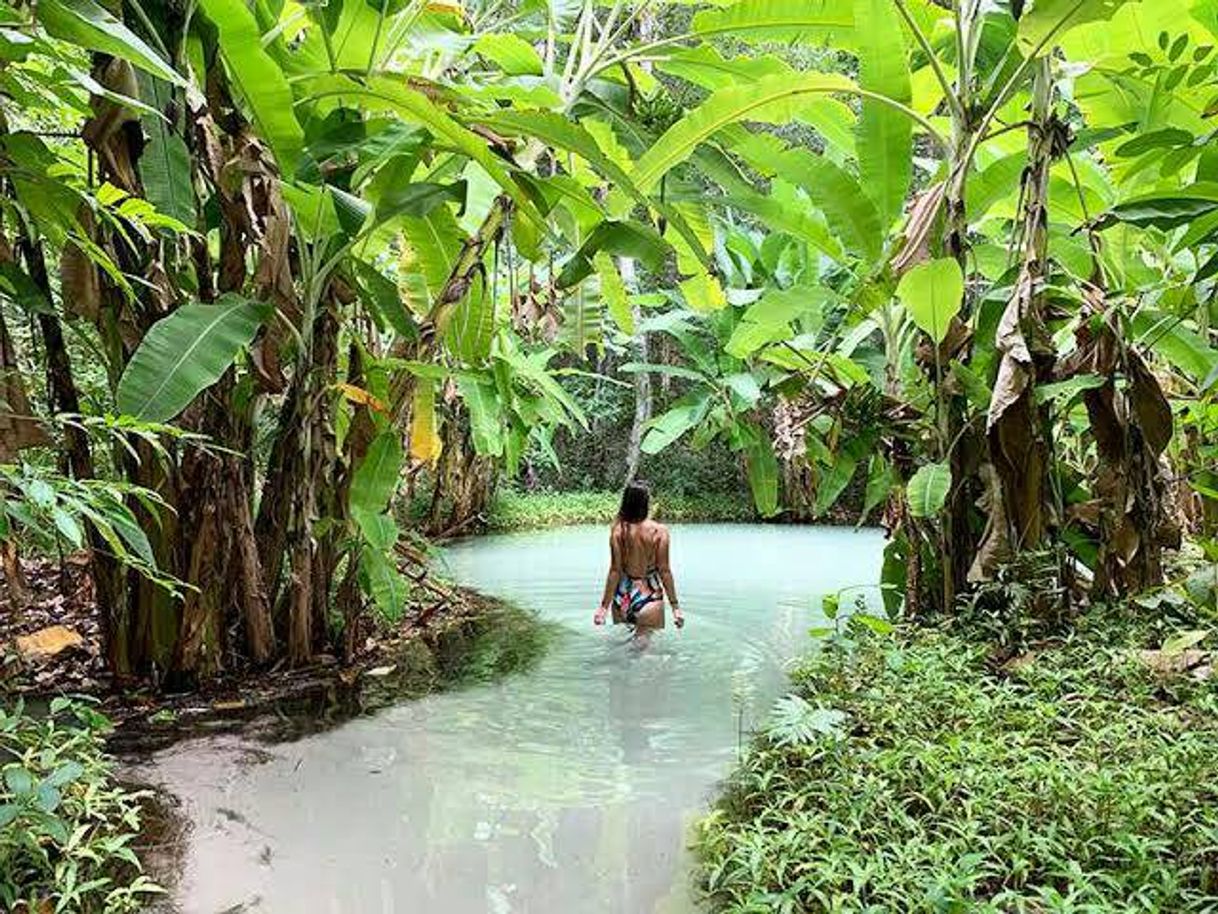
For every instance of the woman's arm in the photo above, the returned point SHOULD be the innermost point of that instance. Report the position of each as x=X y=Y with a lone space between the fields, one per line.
x=664 y=566
x=611 y=579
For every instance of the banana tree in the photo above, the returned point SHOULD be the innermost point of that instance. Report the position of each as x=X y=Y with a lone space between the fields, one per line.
x=957 y=88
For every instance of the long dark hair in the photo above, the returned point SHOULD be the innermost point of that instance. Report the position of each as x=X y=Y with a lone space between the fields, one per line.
x=636 y=503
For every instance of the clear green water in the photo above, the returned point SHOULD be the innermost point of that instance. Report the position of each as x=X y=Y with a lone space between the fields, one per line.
x=569 y=788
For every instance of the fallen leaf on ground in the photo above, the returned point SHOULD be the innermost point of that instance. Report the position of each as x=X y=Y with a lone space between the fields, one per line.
x=47 y=642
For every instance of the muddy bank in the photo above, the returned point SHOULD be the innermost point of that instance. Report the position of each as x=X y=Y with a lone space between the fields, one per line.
x=51 y=647
x=479 y=639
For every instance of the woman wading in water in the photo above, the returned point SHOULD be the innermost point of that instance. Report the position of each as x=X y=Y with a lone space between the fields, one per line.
x=639 y=572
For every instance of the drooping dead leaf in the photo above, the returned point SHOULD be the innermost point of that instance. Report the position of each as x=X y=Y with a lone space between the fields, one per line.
x=19 y=428
x=79 y=279
x=922 y=215
x=1149 y=405
x=114 y=129
x=995 y=546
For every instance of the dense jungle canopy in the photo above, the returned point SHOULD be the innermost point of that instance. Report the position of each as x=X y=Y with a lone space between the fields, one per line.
x=271 y=270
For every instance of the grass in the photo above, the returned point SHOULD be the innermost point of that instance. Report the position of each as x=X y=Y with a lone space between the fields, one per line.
x=514 y=510
x=1073 y=779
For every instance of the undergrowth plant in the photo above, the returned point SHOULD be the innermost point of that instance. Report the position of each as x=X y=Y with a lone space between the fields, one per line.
x=514 y=510
x=66 y=827
x=1077 y=779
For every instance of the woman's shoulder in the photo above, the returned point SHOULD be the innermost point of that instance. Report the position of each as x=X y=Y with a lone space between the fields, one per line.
x=659 y=530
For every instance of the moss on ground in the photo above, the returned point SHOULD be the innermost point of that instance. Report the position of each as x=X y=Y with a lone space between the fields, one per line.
x=1071 y=777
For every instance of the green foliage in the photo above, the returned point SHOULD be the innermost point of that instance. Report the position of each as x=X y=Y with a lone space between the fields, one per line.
x=43 y=510
x=933 y=294
x=185 y=353
x=1074 y=779
x=885 y=135
x=262 y=84
x=514 y=510
x=66 y=828
x=928 y=489
x=88 y=25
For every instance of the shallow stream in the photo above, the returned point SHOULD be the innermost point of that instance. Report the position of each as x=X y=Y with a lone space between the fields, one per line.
x=569 y=788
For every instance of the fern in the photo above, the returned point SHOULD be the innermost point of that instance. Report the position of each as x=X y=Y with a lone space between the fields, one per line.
x=795 y=722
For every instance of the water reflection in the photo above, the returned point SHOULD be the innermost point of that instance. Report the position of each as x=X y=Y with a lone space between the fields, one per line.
x=566 y=789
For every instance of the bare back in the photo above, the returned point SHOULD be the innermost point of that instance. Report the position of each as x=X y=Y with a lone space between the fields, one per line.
x=639 y=546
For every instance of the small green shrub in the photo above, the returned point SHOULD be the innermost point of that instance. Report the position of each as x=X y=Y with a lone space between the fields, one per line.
x=1071 y=779
x=66 y=828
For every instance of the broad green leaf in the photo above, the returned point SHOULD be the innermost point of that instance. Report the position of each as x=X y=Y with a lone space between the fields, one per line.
x=511 y=53
x=1184 y=641
x=932 y=294
x=382 y=297
x=88 y=25
x=847 y=208
x=1155 y=139
x=833 y=482
x=66 y=524
x=383 y=583
x=185 y=353
x=1166 y=209
x=380 y=531
x=769 y=318
x=745 y=389
x=973 y=384
x=259 y=80
x=799 y=222
x=419 y=198
x=165 y=164
x=391 y=95
x=1048 y=20
x=430 y=247
x=763 y=473
x=998 y=180
x=624 y=239
x=774 y=99
x=65 y=774
x=816 y=21
x=666 y=428
x=485 y=411
x=928 y=489
x=1063 y=392
x=613 y=292
x=471 y=330
x=885 y=135
x=705 y=66
x=19 y=781
x=1175 y=341
x=880 y=480
x=376 y=478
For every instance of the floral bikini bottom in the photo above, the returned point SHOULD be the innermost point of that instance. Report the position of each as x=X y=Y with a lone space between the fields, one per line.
x=633 y=595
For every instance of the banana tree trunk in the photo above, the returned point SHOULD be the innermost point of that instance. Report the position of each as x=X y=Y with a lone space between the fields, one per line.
x=642 y=405
x=1017 y=426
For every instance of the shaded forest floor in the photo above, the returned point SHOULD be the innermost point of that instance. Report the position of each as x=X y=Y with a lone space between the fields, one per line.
x=933 y=770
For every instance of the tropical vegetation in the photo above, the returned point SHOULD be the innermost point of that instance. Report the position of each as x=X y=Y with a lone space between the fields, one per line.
x=274 y=272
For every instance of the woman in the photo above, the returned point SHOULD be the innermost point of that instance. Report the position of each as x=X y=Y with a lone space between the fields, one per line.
x=639 y=572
